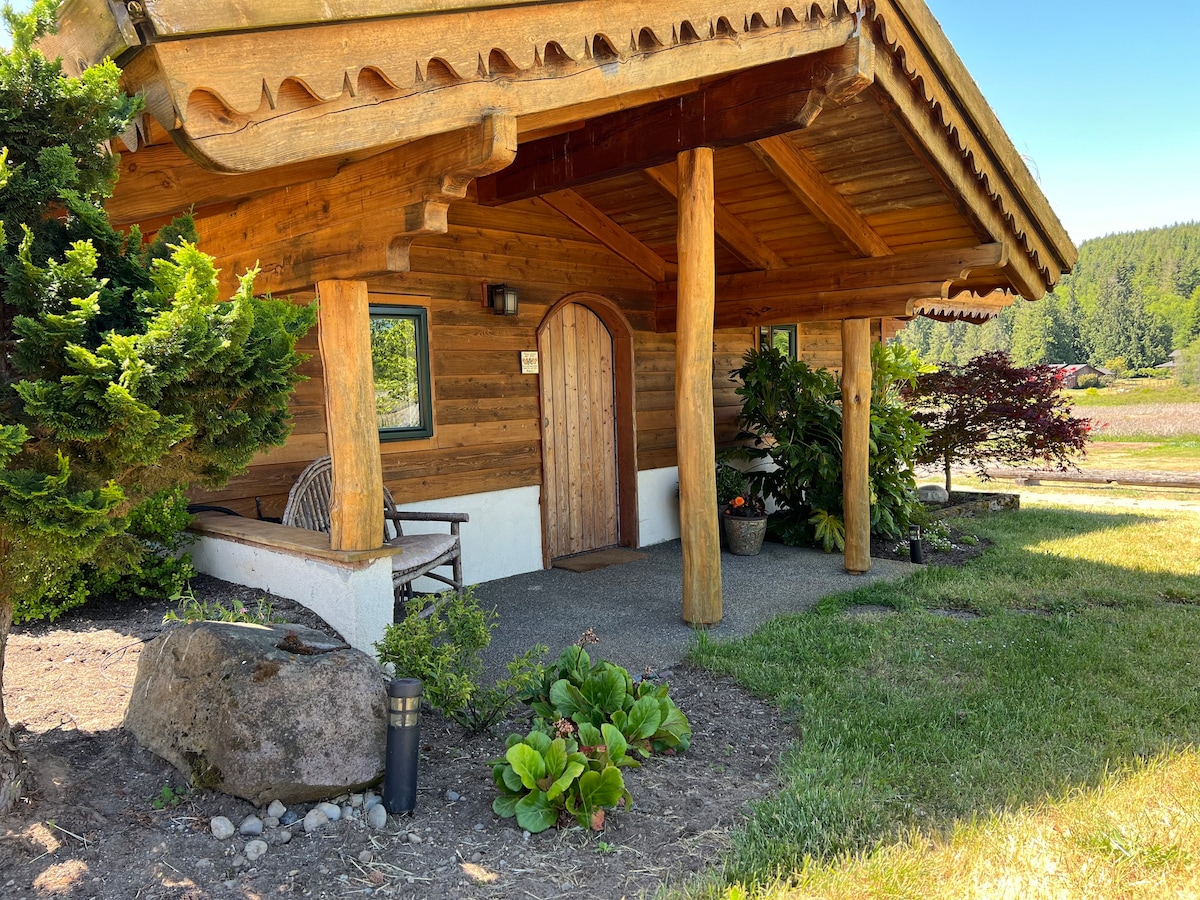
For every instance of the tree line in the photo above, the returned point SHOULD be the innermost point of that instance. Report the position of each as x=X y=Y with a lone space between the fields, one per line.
x=1129 y=302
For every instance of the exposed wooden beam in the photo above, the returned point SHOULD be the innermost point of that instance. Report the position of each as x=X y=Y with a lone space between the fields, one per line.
x=582 y=213
x=889 y=285
x=362 y=221
x=694 y=394
x=741 y=241
x=160 y=182
x=733 y=110
x=804 y=180
x=856 y=443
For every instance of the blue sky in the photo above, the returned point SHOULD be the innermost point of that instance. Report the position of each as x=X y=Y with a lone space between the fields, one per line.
x=1102 y=98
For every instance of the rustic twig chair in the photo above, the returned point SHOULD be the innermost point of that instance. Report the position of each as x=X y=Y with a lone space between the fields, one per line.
x=308 y=507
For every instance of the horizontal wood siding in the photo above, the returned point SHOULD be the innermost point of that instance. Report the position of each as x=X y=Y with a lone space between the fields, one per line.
x=487 y=430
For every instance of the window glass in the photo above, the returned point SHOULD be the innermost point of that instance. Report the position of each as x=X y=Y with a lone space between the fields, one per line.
x=400 y=362
x=781 y=337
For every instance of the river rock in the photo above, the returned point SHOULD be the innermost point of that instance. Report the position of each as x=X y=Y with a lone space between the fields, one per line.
x=261 y=712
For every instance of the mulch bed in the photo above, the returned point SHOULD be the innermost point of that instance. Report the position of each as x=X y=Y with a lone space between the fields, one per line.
x=89 y=826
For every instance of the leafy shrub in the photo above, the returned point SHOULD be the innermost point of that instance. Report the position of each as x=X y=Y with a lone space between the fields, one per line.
x=730 y=483
x=145 y=561
x=1187 y=367
x=792 y=416
x=439 y=641
x=1087 y=380
x=603 y=693
x=544 y=779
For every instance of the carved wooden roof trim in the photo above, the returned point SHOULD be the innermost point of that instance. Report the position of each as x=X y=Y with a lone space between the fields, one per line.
x=408 y=54
x=938 y=77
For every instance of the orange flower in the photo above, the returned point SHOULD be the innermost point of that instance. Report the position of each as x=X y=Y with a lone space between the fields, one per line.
x=738 y=501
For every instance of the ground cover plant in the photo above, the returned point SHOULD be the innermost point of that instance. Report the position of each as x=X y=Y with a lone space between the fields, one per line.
x=975 y=700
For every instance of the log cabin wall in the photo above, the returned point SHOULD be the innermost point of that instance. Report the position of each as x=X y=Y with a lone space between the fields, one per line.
x=487 y=430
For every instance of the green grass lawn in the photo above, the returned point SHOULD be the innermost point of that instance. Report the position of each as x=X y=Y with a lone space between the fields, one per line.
x=935 y=747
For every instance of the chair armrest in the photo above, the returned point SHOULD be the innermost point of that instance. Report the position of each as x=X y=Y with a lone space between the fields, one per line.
x=401 y=516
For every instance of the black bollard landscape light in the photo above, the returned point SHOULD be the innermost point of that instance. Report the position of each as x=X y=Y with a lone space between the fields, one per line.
x=915 y=553
x=403 y=746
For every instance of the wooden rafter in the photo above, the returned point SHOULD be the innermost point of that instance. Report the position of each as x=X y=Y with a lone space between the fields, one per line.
x=804 y=180
x=731 y=231
x=734 y=110
x=874 y=288
x=606 y=231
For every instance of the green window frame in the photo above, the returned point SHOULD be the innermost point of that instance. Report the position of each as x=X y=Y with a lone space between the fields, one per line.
x=781 y=337
x=400 y=369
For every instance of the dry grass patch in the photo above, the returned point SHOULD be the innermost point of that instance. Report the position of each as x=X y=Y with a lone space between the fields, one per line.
x=1134 y=836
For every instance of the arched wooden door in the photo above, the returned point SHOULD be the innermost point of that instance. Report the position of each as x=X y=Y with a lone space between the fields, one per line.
x=579 y=434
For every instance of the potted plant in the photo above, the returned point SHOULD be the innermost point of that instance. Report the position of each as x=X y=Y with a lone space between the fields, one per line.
x=745 y=524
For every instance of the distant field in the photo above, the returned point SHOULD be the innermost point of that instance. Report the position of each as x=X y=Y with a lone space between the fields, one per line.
x=1143 y=421
x=1145 y=412
x=1136 y=392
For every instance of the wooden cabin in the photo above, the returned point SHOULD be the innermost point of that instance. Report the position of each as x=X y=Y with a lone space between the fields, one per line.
x=653 y=188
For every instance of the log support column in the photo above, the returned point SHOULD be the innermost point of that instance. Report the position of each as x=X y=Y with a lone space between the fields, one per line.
x=856 y=436
x=693 y=390
x=356 y=500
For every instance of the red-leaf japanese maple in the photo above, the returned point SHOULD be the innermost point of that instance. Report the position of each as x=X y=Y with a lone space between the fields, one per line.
x=989 y=410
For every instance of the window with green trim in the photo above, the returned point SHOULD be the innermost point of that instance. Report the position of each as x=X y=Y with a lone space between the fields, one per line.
x=400 y=363
x=781 y=337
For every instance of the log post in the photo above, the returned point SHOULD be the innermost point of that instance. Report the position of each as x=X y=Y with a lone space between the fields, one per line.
x=356 y=499
x=856 y=436
x=693 y=390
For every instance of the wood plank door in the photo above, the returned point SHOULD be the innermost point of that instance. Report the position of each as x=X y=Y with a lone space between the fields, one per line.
x=579 y=445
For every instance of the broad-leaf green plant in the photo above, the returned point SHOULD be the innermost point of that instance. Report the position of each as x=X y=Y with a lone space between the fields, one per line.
x=600 y=693
x=792 y=418
x=543 y=780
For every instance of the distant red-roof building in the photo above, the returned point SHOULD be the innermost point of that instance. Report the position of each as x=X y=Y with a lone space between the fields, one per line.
x=1070 y=373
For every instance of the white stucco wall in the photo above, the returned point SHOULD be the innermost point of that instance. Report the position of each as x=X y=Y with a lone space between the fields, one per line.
x=658 y=506
x=504 y=536
x=357 y=601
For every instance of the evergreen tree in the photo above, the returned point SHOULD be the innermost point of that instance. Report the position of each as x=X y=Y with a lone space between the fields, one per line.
x=1122 y=328
x=121 y=374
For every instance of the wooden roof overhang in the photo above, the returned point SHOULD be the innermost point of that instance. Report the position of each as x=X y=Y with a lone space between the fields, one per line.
x=860 y=173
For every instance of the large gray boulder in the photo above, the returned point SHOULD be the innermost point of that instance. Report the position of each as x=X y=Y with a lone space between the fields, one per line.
x=261 y=712
x=932 y=493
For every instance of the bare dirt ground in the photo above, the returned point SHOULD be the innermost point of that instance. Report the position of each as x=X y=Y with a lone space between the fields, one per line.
x=89 y=826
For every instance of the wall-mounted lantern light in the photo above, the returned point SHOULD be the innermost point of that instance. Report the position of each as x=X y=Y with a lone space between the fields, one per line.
x=502 y=299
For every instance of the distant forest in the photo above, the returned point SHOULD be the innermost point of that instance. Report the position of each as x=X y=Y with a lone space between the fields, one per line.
x=1131 y=299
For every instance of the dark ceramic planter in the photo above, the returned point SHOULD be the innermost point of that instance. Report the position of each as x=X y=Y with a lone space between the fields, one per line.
x=745 y=534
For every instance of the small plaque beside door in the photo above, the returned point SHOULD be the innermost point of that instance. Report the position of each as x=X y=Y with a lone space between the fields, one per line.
x=529 y=362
